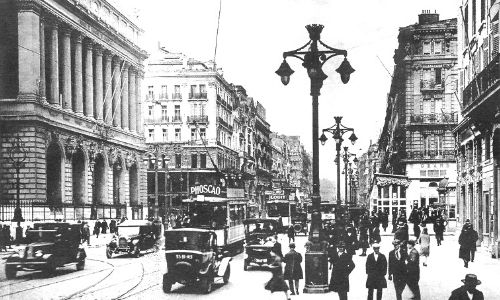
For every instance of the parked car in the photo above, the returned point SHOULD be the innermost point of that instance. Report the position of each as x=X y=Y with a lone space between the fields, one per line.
x=133 y=236
x=299 y=223
x=258 y=246
x=50 y=245
x=193 y=257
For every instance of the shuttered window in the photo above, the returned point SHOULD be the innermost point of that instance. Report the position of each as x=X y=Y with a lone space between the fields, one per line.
x=494 y=36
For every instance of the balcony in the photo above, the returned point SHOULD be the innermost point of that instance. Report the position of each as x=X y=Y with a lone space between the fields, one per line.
x=176 y=96
x=176 y=119
x=197 y=119
x=444 y=118
x=484 y=84
x=430 y=155
x=197 y=95
x=224 y=123
x=429 y=85
x=153 y=120
x=150 y=98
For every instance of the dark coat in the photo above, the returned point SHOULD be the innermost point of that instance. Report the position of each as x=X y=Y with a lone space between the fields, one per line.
x=376 y=271
x=401 y=234
x=293 y=269
x=291 y=232
x=397 y=268
x=342 y=267
x=413 y=265
x=461 y=294
x=467 y=241
x=277 y=249
x=276 y=283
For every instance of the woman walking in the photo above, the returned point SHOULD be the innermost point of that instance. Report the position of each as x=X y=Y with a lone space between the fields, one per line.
x=293 y=269
x=277 y=282
x=425 y=241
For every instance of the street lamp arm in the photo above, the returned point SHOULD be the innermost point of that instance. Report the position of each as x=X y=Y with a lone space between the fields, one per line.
x=296 y=51
x=333 y=51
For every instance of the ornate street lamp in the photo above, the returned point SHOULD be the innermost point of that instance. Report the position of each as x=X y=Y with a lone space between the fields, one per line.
x=92 y=153
x=338 y=130
x=17 y=156
x=313 y=60
x=347 y=165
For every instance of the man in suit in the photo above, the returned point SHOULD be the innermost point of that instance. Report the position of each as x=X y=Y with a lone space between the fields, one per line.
x=277 y=247
x=293 y=269
x=376 y=268
x=341 y=265
x=413 y=269
x=468 y=291
x=397 y=268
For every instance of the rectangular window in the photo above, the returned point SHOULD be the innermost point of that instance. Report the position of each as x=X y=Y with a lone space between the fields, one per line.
x=423 y=173
x=203 y=133
x=466 y=20
x=177 y=111
x=483 y=9
x=438 y=47
x=386 y=191
x=203 y=91
x=150 y=111
x=426 y=48
x=473 y=16
x=164 y=116
x=163 y=92
x=487 y=149
x=151 y=133
x=437 y=76
x=177 y=134
x=479 y=151
x=193 y=134
x=177 y=92
x=203 y=161
x=151 y=93
x=165 y=134
x=178 y=161
x=194 y=161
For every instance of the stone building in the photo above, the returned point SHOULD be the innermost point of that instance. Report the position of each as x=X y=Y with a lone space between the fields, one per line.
x=300 y=168
x=367 y=167
x=478 y=134
x=422 y=109
x=70 y=77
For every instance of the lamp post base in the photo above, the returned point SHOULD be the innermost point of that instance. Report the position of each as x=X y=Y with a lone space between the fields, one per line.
x=316 y=263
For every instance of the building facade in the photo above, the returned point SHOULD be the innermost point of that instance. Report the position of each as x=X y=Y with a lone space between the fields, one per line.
x=70 y=110
x=478 y=134
x=367 y=167
x=422 y=109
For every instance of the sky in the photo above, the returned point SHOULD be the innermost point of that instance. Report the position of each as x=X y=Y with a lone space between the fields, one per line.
x=253 y=35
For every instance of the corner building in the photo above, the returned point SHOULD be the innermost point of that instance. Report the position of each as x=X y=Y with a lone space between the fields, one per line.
x=70 y=78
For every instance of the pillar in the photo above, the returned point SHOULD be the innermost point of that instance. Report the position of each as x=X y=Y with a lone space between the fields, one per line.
x=116 y=114
x=28 y=39
x=138 y=98
x=107 y=106
x=132 y=100
x=98 y=86
x=78 y=75
x=66 y=67
x=89 y=81
x=124 y=101
x=43 y=87
x=54 y=63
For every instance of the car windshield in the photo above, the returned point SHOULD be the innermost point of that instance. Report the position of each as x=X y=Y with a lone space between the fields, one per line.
x=187 y=240
x=41 y=236
x=129 y=230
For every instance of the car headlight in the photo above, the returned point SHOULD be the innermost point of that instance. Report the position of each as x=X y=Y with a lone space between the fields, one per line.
x=20 y=252
x=245 y=256
x=134 y=242
x=38 y=253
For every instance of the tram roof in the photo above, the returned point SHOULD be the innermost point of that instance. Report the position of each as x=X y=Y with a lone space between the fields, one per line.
x=216 y=200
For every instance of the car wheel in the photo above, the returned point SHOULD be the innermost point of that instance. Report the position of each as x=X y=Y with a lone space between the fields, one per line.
x=10 y=271
x=167 y=283
x=109 y=252
x=245 y=265
x=225 y=278
x=50 y=267
x=80 y=265
x=207 y=283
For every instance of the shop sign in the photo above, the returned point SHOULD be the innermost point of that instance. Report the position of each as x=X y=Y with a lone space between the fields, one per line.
x=277 y=197
x=206 y=189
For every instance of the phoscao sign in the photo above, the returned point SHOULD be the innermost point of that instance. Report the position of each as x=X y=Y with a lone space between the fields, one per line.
x=205 y=189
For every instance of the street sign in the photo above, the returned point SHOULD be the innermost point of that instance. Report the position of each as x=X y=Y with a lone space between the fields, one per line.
x=268 y=192
x=277 y=197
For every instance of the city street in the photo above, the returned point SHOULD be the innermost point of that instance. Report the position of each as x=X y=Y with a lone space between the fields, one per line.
x=124 y=277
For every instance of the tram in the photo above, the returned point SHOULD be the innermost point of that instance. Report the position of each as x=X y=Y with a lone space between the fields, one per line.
x=281 y=208
x=224 y=216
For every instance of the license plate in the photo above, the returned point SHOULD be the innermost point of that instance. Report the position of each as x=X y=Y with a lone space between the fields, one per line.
x=257 y=260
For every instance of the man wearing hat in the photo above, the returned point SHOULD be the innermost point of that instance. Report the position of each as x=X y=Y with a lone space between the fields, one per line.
x=402 y=232
x=413 y=269
x=293 y=270
x=341 y=265
x=397 y=268
x=376 y=268
x=468 y=290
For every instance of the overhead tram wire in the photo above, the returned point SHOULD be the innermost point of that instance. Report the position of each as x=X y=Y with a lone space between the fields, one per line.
x=217 y=36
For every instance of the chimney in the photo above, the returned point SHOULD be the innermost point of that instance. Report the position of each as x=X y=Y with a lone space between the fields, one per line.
x=427 y=17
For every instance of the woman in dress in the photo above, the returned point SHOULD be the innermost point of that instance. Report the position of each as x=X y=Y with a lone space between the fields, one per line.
x=277 y=282
x=425 y=241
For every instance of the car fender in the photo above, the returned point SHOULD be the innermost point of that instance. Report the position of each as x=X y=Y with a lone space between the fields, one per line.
x=223 y=265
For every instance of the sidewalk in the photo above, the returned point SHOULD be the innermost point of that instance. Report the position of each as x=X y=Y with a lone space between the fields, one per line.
x=429 y=227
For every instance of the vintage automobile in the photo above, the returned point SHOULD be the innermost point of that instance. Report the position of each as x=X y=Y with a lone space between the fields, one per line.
x=50 y=245
x=299 y=223
x=258 y=246
x=193 y=257
x=133 y=236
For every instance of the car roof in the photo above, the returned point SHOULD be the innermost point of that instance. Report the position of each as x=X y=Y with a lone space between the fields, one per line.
x=188 y=230
x=134 y=223
x=256 y=220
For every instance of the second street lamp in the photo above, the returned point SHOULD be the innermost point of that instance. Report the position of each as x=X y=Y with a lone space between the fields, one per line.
x=313 y=60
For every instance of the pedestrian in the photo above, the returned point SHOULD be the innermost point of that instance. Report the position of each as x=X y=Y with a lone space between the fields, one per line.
x=384 y=220
x=86 y=233
x=468 y=290
x=415 y=219
x=8 y=236
x=341 y=265
x=97 y=228
x=401 y=233
x=439 y=227
x=351 y=241
x=112 y=226
x=397 y=268
x=2 y=238
x=277 y=247
x=425 y=242
x=413 y=269
x=467 y=241
x=375 y=238
x=293 y=269
x=104 y=226
x=277 y=282
x=291 y=234
x=376 y=268
x=394 y=221
x=363 y=235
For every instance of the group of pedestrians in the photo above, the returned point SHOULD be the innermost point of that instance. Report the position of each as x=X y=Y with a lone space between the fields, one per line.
x=5 y=237
x=100 y=227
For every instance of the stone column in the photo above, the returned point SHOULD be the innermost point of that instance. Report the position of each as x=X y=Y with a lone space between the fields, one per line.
x=66 y=67
x=43 y=87
x=140 y=75
x=124 y=103
x=28 y=40
x=89 y=81
x=78 y=75
x=54 y=64
x=98 y=87
x=132 y=104
x=108 y=91
x=116 y=115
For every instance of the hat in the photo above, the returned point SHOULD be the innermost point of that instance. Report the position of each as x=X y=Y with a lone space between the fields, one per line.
x=376 y=245
x=341 y=244
x=401 y=223
x=396 y=242
x=291 y=245
x=472 y=279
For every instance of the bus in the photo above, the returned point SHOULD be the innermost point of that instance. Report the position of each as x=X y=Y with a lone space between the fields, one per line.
x=281 y=208
x=223 y=215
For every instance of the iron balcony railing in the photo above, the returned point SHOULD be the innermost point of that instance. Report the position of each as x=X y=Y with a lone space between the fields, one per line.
x=154 y=120
x=434 y=118
x=176 y=96
x=487 y=78
x=197 y=119
x=163 y=96
x=430 y=85
x=176 y=119
x=430 y=154
x=197 y=95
